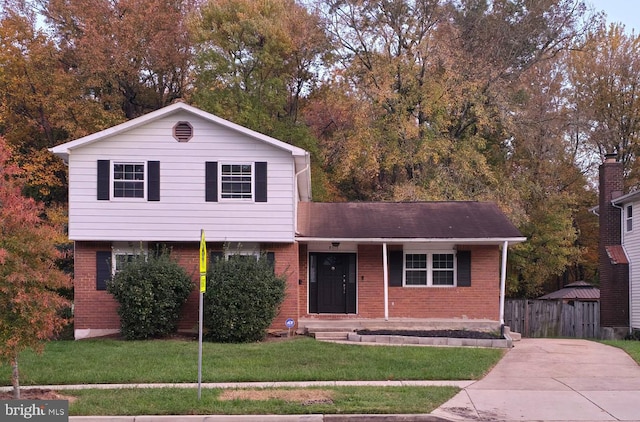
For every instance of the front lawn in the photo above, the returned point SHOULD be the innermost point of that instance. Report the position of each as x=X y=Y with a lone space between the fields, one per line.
x=632 y=347
x=299 y=359
x=324 y=400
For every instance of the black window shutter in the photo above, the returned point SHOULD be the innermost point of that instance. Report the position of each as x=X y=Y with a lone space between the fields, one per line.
x=104 y=168
x=464 y=268
x=153 y=182
x=271 y=259
x=261 y=181
x=103 y=269
x=396 y=259
x=211 y=181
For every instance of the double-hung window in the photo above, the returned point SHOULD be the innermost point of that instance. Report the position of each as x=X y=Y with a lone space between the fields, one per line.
x=236 y=181
x=629 y=218
x=128 y=180
x=125 y=252
x=429 y=269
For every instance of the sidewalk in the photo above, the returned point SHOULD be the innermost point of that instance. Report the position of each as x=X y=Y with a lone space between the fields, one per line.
x=553 y=380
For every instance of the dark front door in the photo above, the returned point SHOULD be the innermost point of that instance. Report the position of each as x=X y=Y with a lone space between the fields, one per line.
x=332 y=283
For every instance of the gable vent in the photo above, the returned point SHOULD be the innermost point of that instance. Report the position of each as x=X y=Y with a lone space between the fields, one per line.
x=183 y=131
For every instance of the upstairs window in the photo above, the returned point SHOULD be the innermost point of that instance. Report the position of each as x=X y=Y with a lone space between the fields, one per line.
x=629 y=218
x=237 y=181
x=128 y=180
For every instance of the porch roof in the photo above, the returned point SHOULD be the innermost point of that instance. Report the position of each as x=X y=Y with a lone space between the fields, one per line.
x=447 y=221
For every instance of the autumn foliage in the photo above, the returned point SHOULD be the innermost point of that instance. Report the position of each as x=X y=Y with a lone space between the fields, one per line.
x=30 y=307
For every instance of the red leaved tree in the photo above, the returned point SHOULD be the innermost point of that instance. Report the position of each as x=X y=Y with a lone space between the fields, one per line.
x=30 y=307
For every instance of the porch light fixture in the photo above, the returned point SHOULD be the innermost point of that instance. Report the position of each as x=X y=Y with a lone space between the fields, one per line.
x=335 y=244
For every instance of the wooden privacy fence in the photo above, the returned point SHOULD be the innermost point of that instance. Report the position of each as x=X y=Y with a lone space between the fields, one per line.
x=553 y=318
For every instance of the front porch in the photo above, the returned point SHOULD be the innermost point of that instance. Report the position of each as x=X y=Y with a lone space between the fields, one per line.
x=314 y=325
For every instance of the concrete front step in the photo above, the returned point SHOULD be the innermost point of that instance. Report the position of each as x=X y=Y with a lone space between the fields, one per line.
x=330 y=335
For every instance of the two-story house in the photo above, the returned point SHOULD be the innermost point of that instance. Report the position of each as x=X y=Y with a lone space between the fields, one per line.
x=163 y=177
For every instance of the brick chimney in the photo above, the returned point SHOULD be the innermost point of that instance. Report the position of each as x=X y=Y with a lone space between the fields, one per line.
x=614 y=277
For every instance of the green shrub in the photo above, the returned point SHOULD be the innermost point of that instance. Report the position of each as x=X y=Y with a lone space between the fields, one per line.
x=242 y=299
x=150 y=290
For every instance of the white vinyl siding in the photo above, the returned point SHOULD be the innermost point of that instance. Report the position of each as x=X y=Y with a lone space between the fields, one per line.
x=631 y=243
x=182 y=210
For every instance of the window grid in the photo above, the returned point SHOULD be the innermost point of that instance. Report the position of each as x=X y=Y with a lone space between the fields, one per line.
x=429 y=269
x=122 y=259
x=128 y=180
x=416 y=269
x=237 y=181
x=442 y=270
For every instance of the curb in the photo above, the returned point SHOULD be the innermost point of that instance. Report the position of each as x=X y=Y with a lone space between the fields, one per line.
x=260 y=418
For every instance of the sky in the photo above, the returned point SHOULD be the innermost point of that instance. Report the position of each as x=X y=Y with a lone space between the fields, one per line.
x=624 y=11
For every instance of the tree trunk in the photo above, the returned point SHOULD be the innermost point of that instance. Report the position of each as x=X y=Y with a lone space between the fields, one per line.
x=15 y=378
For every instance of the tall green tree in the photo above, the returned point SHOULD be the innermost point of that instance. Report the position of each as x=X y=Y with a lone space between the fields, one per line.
x=605 y=91
x=41 y=103
x=130 y=55
x=257 y=61
x=30 y=307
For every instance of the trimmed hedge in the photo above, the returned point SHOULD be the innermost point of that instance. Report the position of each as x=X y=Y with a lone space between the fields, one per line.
x=150 y=290
x=242 y=299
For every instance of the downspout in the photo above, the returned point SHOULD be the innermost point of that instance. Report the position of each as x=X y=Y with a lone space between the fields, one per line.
x=385 y=278
x=503 y=283
x=297 y=199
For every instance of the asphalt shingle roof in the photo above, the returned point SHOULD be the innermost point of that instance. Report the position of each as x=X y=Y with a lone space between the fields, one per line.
x=404 y=220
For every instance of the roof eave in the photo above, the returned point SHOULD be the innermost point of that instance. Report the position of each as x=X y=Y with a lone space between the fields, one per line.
x=459 y=241
x=63 y=150
x=626 y=198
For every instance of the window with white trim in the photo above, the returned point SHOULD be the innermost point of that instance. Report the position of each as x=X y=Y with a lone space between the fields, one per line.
x=236 y=181
x=629 y=218
x=125 y=252
x=128 y=180
x=429 y=269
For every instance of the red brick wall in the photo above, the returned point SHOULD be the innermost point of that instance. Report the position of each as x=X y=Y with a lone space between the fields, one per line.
x=98 y=310
x=480 y=301
x=92 y=308
x=286 y=257
x=614 y=279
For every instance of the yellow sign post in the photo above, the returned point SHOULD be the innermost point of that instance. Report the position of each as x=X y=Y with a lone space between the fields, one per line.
x=203 y=289
x=203 y=263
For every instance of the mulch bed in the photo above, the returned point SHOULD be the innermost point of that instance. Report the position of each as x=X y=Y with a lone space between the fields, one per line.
x=432 y=333
x=36 y=394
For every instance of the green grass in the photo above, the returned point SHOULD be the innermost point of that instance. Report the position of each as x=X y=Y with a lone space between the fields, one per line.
x=300 y=359
x=177 y=401
x=632 y=347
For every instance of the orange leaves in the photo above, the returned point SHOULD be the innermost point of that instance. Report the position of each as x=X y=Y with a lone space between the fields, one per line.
x=29 y=305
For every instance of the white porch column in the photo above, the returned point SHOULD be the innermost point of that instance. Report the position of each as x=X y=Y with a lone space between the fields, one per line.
x=503 y=280
x=385 y=277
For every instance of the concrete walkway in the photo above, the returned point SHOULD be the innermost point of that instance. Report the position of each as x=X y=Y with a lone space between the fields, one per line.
x=553 y=380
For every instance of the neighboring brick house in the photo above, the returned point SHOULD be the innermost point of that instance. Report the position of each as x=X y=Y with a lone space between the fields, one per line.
x=619 y=249
x=163 y=177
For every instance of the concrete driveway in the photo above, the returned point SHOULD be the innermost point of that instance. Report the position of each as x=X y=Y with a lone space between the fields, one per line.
x=553 y=380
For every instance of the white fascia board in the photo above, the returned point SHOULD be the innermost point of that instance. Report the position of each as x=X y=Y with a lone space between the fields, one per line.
x=465 y=241
x=630 y=197
x=63 y=150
